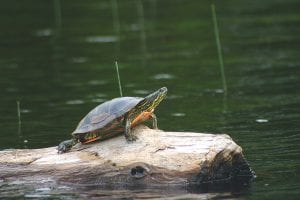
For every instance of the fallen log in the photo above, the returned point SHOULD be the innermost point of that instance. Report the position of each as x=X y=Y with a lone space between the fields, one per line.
x=156 y=158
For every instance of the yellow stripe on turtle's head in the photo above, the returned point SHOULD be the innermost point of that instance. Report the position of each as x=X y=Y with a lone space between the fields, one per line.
x=152 y=100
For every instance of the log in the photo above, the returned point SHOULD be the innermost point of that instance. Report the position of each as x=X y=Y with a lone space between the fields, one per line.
x=156 y=158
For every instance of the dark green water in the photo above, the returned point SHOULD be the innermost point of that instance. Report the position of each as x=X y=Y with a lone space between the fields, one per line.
x=57 y=58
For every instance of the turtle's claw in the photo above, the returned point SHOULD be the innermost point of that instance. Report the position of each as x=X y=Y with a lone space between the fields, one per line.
x=131 y=138
x=64 y=146
x=61 y=149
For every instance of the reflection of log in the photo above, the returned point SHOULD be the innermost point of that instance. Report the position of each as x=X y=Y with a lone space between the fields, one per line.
x=157 y=157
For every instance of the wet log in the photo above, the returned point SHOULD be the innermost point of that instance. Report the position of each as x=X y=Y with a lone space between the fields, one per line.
x=156 y=158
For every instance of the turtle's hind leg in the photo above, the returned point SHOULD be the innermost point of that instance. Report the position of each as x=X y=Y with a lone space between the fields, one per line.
x=65 y=146
x=128 y=133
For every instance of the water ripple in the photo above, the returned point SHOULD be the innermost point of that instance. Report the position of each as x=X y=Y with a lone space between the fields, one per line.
x=101 y=39
x=75 y=102
x=163 y=76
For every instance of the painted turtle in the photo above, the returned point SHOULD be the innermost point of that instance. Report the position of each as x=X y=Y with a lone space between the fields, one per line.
x=113 y=117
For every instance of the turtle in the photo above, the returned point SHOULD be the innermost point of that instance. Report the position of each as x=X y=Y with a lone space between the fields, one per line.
x=114 y=117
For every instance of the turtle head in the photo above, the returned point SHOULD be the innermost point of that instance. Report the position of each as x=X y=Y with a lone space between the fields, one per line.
x=150 y=102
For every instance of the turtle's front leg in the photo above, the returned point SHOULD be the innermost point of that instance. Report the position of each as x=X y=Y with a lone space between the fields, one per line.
x=66 y=146
x=128 y=133
x=154 y=121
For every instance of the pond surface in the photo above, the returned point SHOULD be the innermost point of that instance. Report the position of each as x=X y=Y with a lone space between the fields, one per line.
x=57 y=59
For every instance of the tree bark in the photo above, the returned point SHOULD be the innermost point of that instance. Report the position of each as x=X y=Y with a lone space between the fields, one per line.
x=156 y=158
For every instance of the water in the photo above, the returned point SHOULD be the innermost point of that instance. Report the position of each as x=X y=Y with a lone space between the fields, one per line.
x=57 y=58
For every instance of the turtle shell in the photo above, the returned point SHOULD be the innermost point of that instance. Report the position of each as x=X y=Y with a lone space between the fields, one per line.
x=103 y=116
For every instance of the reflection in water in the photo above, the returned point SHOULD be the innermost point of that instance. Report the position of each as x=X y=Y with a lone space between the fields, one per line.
x=141 y=92
x=98 y=100
x=178 y=114
x=48 y=189
x=261 y=120
x=79 y=60
x=75 y=102
x=97 y=82
x=101 y=39
x=163 y=76
x=44 y=32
